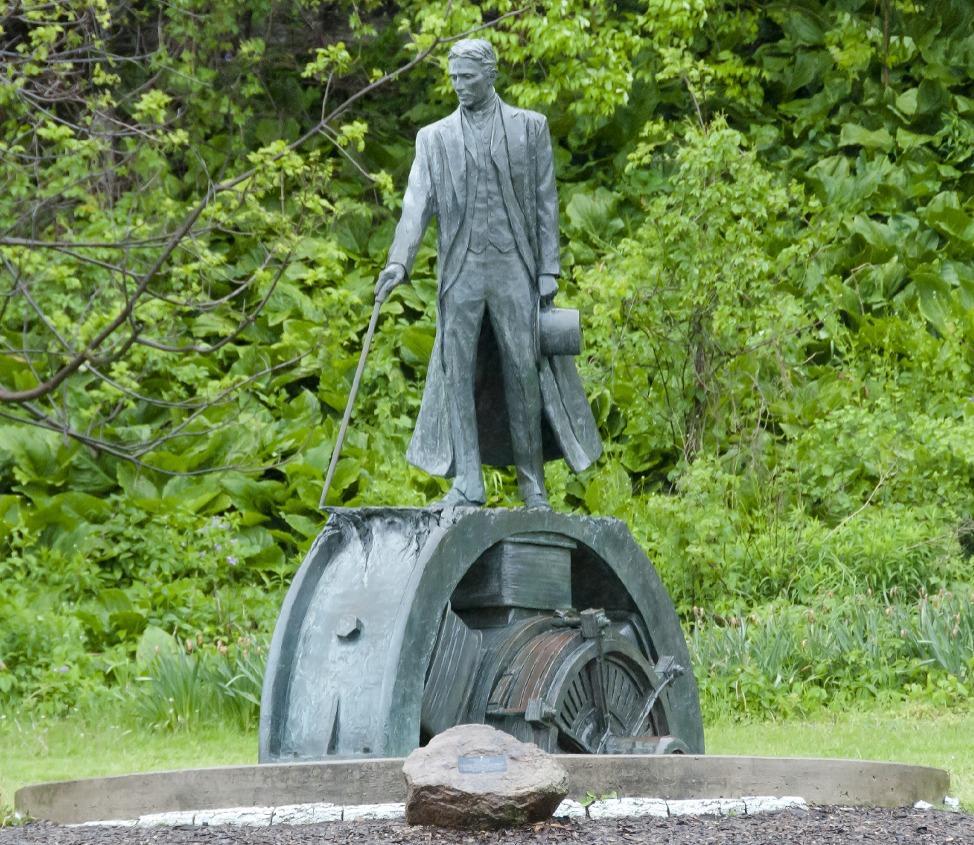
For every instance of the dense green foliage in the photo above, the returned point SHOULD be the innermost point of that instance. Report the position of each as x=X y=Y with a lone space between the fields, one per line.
x=768 y=221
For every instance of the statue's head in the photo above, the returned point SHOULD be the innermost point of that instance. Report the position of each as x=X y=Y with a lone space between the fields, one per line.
x=473 y=69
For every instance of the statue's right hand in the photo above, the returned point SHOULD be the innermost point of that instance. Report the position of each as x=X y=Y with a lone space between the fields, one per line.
x=390 y=278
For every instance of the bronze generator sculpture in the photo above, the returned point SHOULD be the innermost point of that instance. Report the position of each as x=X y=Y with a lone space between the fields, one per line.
x=402 y=622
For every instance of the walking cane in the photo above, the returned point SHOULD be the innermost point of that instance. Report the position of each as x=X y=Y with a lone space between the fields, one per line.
x=343 y=428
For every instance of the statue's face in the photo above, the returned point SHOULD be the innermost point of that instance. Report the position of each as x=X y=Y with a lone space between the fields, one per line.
x=472 y=82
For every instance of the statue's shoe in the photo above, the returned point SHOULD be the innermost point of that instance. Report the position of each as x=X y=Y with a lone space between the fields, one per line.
x=538 y=502
x=455 y=499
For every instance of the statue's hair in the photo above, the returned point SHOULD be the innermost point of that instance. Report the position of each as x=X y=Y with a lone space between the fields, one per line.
x=476 y=49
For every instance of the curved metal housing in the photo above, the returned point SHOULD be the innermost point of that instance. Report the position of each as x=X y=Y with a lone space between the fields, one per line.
x=371 y=603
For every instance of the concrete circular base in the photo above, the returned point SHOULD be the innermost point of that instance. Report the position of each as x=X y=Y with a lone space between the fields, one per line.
x=375 y=781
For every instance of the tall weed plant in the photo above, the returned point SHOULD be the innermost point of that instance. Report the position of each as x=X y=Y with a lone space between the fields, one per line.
x=785 y=660
x=198 y=684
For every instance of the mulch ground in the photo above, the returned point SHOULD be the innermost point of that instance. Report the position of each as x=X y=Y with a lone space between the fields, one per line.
x=815 y=826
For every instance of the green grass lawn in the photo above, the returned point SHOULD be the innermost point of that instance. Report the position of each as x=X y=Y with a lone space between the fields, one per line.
x=63 y=749
x=905 y=735
x=33 y=751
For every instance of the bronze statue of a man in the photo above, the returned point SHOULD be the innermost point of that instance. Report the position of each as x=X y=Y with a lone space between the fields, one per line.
x=486 y=172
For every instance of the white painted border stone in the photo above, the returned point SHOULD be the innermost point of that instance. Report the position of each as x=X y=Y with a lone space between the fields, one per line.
x=754 y=804
x=570 y=809
x=374 y=811
x=165 y=819
x=614 y=808
x=707 y=807
x=242 y=816
x=307 y=813
x=604 y=808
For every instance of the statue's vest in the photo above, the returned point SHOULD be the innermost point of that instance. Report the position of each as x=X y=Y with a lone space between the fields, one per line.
x=490 y=223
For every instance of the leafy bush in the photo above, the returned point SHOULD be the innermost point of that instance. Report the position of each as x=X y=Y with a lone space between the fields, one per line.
x=43 y=659
x=73 y=614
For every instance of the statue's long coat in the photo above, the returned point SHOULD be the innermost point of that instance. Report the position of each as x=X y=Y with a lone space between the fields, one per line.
x=440 y=184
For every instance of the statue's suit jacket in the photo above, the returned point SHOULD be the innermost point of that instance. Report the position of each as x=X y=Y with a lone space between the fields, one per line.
x=441 y=184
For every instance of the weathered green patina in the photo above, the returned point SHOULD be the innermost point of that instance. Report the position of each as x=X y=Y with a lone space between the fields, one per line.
x=402 y=622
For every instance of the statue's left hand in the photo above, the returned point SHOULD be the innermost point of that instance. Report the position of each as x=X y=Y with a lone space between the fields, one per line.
x=547 y=288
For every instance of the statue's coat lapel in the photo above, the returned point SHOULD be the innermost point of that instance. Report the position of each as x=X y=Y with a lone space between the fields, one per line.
x=509 y=151
x=456 y=158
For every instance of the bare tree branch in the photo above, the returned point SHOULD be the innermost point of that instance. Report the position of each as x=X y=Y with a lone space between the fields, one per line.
x=137 y=452
x=147 y=243
x=144 y=279
x=129 y=276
